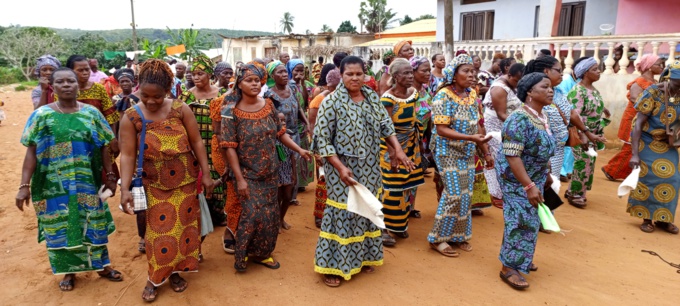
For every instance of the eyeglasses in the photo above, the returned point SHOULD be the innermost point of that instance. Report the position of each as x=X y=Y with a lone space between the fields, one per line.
x=557 y=70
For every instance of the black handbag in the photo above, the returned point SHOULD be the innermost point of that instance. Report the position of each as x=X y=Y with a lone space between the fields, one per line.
x=551 y=199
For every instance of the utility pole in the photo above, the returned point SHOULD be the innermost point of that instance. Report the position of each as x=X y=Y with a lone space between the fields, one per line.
x=448 y=29
x=134 y=29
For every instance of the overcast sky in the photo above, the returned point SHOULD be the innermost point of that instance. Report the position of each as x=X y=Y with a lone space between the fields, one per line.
x=259 y=15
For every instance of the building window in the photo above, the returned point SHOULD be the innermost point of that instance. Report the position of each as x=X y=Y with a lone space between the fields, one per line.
x=270 y=52
x=571 y=19
x=237 y=54
x=253 y=52
x=477 y=25
x=536 y=20
x=463 y=2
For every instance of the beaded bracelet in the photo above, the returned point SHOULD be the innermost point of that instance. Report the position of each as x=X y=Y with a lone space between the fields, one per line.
x=527 y=187
x=24 y=185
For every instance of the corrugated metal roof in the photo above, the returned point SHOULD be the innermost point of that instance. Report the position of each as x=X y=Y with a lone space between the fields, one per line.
x=393 y=40
x=425 y=25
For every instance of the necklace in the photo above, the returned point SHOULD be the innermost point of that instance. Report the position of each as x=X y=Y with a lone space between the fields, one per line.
x=674 y=97
x=542 y=118
x=61 y=111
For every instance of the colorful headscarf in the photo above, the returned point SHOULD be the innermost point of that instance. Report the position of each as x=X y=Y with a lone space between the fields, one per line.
x=672 y=71
x=222 y=66
x=388 y=55
x=400 y=45
x=46 y=60
x=246 y=70
x=204 y=63
x=646 y=62
x=333 y=77
x=124 y=72
x=450 y=70
x=417 y=60
x=461 y=51
x=583 y=66
x=270 y=70
x=291 y=65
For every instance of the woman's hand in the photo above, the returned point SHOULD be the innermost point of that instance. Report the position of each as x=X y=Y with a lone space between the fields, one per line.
x=634 y=161
x=242 y=189
x=23 y=198
x=44 y=83
x=489 y=161
x=208 y=184
x=127 y=202
x=400 y=158
x=305 y=154
x=595 y=138
x=535 y=197
x=346 y=176
x=318 y=160
x=111 y=185
x=480 y=139
x=606 y=113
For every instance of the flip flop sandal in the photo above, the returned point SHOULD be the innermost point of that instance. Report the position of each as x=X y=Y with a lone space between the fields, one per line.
x=442 y=248
x=200 y=257
x=477 y=212
x=403 y=234
x=111 y=276
x=415 y=214
x=228 y=245
x=178 y=283
x=388 y=240
x=533 y=268
x=327 y=281
x=506 y=278
x=151 y=291
x=317 y=222
x=266 y=263
x=66 y=283
x=668 y=227
x=464 y=246
x=609 y=177
x=368 y=269
x=577 y=202
x=647 y=227
x=141 y=247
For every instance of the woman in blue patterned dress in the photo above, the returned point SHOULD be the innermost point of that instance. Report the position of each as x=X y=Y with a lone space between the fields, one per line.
x=347 y=135
x=656 y=196
x=68 y=146
x=456 y=116
x=523 y=168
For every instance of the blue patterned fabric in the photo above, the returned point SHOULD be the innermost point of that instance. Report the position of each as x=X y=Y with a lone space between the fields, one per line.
x=524 y=136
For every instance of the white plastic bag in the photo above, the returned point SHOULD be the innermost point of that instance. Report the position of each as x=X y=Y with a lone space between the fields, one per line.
x=364 y=203
x=629 y=183
x=555 y=184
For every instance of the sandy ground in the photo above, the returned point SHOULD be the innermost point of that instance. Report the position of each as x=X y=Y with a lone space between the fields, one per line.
x=598 y=262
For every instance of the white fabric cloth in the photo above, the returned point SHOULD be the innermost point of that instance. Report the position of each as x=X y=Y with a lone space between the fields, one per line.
x=629 y=183
x=362 y=202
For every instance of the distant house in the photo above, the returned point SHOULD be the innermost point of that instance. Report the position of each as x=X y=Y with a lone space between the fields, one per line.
x=306 y=46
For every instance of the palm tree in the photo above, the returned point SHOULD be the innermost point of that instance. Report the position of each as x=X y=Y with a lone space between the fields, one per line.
x=326 y=29
x=287 y=22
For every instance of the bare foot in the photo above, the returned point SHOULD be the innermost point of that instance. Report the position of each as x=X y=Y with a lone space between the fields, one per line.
x=285 y=225
x=149 y=293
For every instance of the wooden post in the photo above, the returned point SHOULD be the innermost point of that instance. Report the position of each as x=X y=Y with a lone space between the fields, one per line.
x=448 y=29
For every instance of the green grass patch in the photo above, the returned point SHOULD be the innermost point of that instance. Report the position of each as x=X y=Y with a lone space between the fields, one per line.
x=21 y=88
x=30 y=83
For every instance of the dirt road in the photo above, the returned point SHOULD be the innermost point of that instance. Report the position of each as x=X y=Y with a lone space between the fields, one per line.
x=598 y=262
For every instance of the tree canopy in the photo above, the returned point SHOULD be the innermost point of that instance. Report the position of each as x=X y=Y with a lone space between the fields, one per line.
x=346 y=27
x=287 y=22
x=22 y=46
x=375 y=16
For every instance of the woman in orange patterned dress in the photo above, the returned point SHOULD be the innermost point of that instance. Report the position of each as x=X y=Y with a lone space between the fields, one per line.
x=618 y=168
x=173 y=155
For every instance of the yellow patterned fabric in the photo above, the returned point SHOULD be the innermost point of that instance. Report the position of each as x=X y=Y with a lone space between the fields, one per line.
x=170 y=172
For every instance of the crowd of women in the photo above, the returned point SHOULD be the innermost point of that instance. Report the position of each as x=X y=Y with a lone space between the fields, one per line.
x=233 y=146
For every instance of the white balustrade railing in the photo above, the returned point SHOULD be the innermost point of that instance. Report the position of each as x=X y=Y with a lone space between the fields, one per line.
x=565 y=48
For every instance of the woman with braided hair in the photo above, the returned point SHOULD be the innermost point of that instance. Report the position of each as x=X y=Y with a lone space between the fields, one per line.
x=174 y=154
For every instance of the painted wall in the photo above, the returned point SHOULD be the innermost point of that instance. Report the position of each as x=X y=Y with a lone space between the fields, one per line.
x=598 y=12
x=658 y=16
x=515 y=18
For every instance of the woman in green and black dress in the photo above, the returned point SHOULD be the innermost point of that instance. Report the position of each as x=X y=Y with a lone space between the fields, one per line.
x=198 y=98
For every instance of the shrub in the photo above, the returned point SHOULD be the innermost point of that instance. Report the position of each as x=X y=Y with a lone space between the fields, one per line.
x=10 y=75
x=21 y=88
